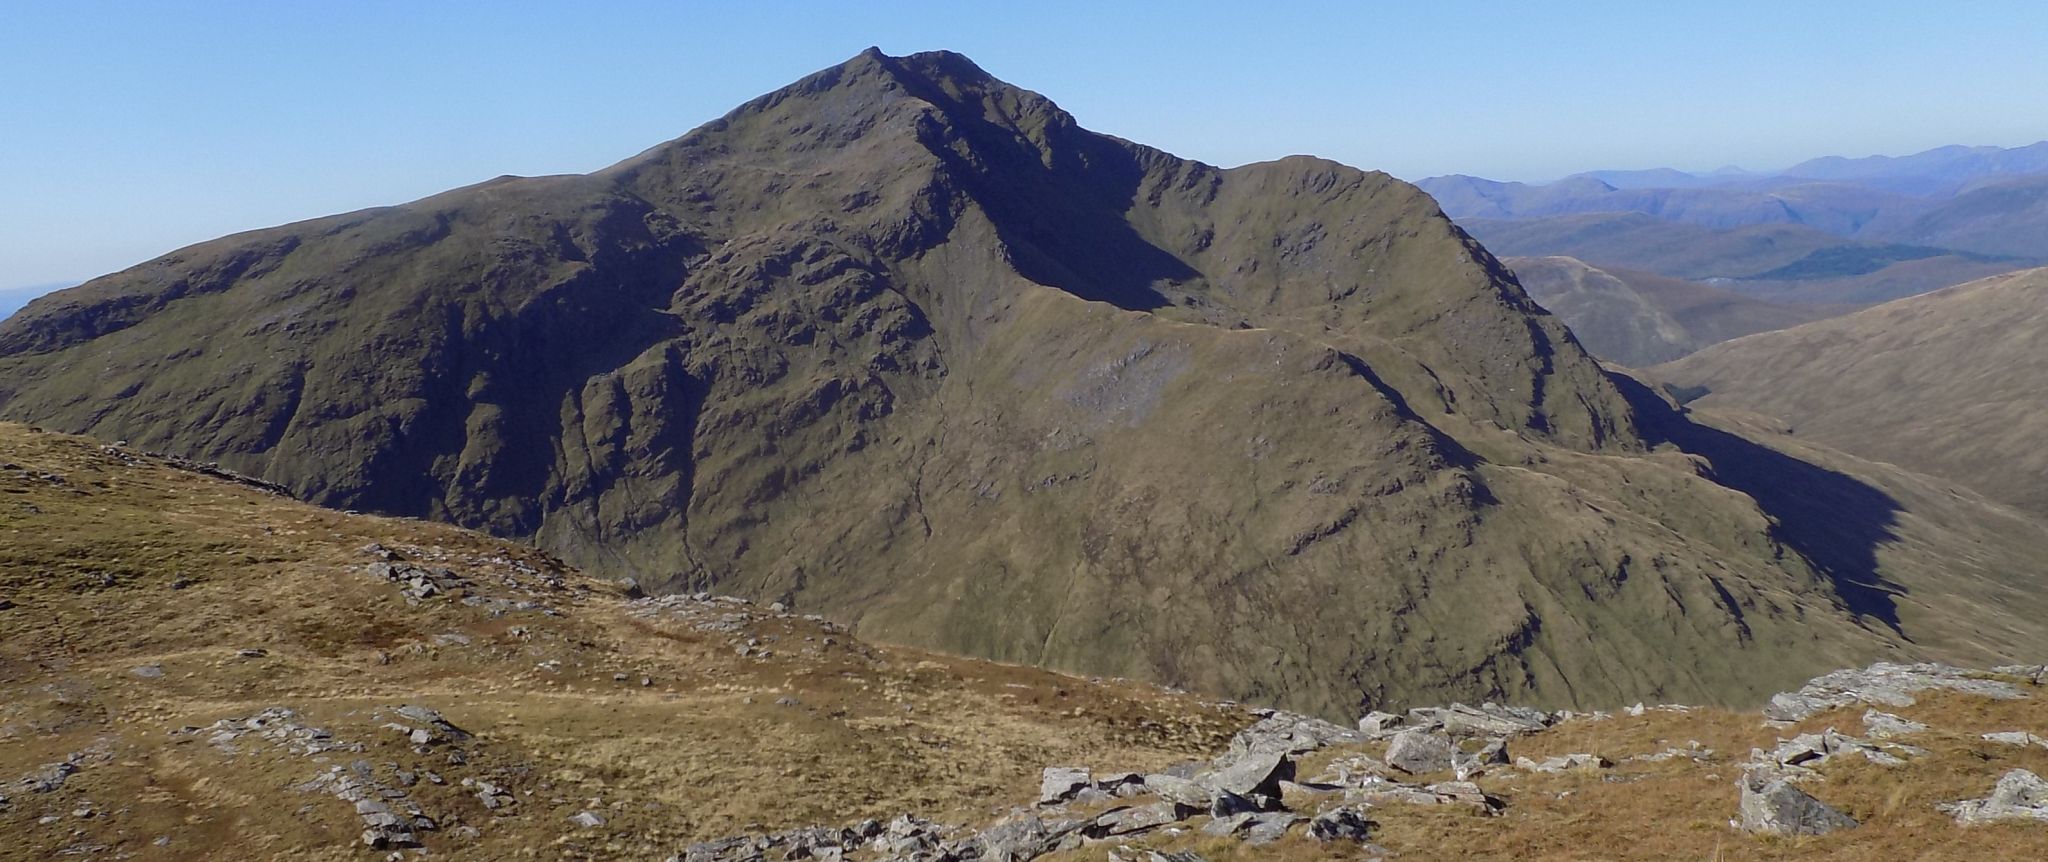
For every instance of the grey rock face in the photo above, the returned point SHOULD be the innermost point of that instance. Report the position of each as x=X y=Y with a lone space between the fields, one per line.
x=1418 y=751
x=2019 y=795
x=587 y=819
x=1774 y=806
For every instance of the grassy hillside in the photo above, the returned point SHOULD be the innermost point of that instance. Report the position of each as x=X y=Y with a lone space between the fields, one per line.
x=141 y=603
x=1945 y=383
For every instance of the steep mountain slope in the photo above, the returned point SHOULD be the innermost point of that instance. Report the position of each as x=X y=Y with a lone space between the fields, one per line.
x=1948 y=383
x=1640 y=319
x=905 y=345
x=1778 y=263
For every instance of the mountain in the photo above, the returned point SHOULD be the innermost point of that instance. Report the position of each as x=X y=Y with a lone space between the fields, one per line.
x=2003 y=218
x=1875 y=229
x=1640 y=319
x=1947 y=383
x=905 y=346
x=191 y=661
x=1939 y=171
x=1777 y=263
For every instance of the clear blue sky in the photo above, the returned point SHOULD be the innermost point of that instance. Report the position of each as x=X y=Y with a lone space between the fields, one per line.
x=129 y=129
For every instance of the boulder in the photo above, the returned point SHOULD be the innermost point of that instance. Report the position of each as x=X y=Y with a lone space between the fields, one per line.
x=1023 y=838
x=587 y=819
x=1060 y=783
x=2019 y=795
x=1376 y=724
x=1492 y=721
x=1254 y=772
x=1176 y=789
x=1343 y=823
x=1443 y=793
x=2015 y=737
x=1774 y=806
x=1884 y=725
x=1141 y=818
x=1268 y=827
x=1420 y=751
x=1288 y=733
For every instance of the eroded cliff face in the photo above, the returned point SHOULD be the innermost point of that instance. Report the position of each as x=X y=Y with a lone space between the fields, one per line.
x=905 y=345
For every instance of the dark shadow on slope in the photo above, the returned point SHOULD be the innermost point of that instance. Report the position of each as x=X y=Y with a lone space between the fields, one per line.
x=1835 y=521
x=1056 y=192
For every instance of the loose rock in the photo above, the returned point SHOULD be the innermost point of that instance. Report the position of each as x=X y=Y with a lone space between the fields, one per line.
x=1774 y=806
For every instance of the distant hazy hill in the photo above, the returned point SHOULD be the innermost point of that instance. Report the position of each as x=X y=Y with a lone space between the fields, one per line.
x=1776 y=262
x=1829 y=230
x=1836 y=208
x=1640 y=319
x=1950 y=383
x=1940 y=171
x=2003 y=218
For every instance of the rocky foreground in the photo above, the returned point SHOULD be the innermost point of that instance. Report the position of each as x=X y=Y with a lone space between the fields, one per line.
x=1256 y=793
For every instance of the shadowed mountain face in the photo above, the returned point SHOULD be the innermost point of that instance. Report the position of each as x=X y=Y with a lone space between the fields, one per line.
x=903 y=344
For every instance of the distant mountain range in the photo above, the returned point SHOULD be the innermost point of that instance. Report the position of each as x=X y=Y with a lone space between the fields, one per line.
x=1828 y=231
